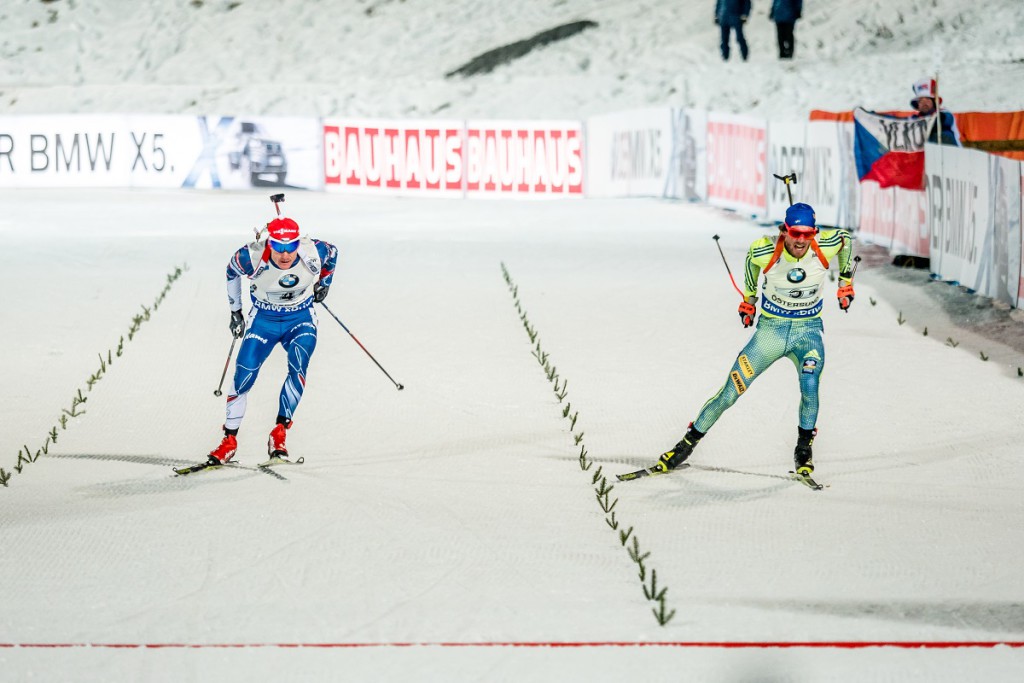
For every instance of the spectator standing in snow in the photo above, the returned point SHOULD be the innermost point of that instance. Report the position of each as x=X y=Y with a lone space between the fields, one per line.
x=924 y=103
x=730 y=15
x=785 y=13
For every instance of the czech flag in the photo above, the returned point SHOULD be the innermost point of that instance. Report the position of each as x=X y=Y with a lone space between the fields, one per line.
x=890 y=149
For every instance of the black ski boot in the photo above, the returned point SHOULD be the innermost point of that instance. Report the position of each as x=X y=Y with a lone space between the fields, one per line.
x=681 y=451
x=802 y=453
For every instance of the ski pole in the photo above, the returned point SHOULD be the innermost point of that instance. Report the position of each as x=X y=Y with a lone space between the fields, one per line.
x=231 y=352
x=787 y=179
x=399 y=386
x=727 y=268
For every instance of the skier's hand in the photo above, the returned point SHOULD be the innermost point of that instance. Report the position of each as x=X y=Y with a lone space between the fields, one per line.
x=237 y=325
x=845 y=295
x=747 y=312
x=320 y=292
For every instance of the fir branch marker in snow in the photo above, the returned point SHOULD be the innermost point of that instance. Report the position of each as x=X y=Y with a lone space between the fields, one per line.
x=604 y=496
x=612 y=522
x=584 y=465
x=952 y=344
x=603 y=491
x=26 y=456
x=660 y=615
x=653 y=594
x=607 y=505
x=634 y=552
x=926 y=332
x=900 y=319
x=872 y=300
x=983 y=356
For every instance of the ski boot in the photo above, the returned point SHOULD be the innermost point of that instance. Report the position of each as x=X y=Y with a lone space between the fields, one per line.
x=802 y=461
x=681 y=451
x=226 y=450
x=275 y=445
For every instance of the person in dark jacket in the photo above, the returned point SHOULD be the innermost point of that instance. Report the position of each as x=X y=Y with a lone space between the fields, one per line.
x=924 y=103
x=731 y=15
x=785 y=13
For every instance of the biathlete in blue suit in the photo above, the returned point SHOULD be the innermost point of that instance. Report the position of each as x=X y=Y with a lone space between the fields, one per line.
x=287 y=273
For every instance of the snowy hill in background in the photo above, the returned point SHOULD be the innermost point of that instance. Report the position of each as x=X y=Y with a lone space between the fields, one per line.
x=388 y=58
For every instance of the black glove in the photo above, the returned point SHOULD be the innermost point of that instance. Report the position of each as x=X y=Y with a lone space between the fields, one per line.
x=237 y=325
x=320 y=292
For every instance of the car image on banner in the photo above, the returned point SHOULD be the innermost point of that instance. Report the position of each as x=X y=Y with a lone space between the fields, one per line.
x=259 y=151
x=257 y=156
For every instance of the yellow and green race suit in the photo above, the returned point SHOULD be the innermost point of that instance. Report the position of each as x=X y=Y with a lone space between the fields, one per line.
x=790 y=321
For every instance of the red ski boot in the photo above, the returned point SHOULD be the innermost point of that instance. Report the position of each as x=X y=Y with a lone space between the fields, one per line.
x=275 y=445
x=225 y=451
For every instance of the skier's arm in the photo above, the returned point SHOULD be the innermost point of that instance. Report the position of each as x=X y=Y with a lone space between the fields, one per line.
x=329 y=260
x=845 y=293
x=239 y=265
x=845 y=257
x=751 y=273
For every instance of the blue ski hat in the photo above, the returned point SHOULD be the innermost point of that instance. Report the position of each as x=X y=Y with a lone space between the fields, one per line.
x=800 y=214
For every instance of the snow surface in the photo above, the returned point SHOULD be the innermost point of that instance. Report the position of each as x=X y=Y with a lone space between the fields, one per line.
x=387 y=58
x=455 y=512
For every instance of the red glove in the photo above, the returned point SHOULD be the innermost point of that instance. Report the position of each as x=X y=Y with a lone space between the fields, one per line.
x=845 y=295
x=747 y=312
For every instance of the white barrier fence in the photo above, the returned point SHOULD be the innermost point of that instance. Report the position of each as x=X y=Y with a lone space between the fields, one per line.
x=966 y=220
x=974 y=213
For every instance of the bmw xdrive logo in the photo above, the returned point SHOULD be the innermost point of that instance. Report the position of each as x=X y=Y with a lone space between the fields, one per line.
x=796 y=275
x=288 y=280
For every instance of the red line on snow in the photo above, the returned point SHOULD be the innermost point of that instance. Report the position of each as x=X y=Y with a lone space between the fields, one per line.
x=842 y=645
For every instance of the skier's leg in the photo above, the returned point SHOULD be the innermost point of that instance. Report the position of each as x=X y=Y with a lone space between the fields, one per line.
x=257 y=344
x=766 y=346
x=807 y=351
x=300 y=343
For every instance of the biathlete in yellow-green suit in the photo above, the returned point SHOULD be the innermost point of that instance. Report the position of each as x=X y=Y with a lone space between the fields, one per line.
x=794 y=265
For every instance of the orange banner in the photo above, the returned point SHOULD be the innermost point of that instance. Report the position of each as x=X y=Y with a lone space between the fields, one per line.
x=975 y=126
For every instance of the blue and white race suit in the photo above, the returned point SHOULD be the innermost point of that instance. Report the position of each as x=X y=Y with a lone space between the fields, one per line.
x=281 y=313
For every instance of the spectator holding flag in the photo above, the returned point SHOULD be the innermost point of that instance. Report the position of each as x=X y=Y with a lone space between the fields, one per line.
x=925 y=103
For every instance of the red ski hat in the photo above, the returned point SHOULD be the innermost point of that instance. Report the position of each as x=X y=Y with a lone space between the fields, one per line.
x=283 y=230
